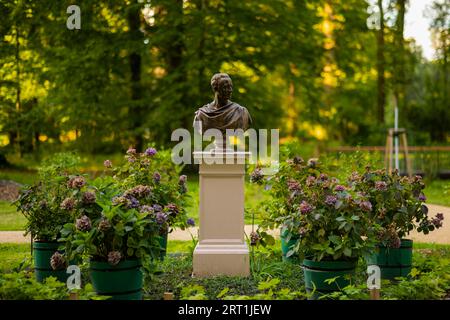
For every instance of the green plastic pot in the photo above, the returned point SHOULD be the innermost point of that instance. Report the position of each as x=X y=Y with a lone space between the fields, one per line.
x=42 y=252
x=122 y=281
x=317 y=272
x=393 y=262
x=286 y=246
x=163 y=245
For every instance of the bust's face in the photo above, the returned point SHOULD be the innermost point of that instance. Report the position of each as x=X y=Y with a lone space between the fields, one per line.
x=224 y=90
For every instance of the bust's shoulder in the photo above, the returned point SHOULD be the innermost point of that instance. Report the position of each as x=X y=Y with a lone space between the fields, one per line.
x=205 y=107
x=240 y=107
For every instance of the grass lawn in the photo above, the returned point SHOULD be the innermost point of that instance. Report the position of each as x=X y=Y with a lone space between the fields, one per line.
x=10 y=219
x=19 y=176
x=11 y=255
x=438 y=192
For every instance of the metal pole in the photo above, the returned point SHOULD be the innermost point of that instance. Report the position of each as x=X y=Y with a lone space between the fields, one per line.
x=396 y=136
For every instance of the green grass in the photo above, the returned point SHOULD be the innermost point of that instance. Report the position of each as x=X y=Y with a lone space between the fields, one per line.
x=19 y=176
x=438 y=192
x=11 y=255
x=10 y=219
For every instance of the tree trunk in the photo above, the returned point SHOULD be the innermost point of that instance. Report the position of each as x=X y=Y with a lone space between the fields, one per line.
x=175 y=65
x=18 y=136
x=381 y=101
x=399 y=56
x=137 y=108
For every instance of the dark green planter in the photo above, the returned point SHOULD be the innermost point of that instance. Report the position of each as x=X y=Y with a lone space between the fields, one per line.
x=316 y=272
x=42 y=252
x=286 y=246
x=163 y=245
x=121 y=282
x=393 y=262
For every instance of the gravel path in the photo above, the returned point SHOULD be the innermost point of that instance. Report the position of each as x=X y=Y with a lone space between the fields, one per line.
x=441 y=236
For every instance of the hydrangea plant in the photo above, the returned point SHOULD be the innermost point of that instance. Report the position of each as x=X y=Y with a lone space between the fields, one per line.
x=151 y=182
x=116 y=232
x=398 y=204
x=137 y=203
x=50 y=203
x=328 y=219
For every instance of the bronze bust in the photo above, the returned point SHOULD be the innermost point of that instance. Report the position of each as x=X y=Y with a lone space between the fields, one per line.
x=222 y=113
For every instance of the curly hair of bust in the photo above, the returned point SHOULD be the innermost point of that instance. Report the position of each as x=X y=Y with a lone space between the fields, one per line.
x=216 y=78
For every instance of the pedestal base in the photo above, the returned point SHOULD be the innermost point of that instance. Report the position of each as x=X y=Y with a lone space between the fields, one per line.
x=221 y=259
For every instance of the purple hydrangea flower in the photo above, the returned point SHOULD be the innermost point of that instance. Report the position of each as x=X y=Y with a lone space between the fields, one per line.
x=366 y=206
x=331 y=200
x=256 y=176
x=172 y=209
x=57 y=261
x=83 y=224
x=190 y=222
x=293 y=185
x=131 y=150
x=182 y=180
x=395 y=242
x=339 y=188
x=114 y=257
x=313 y=162
x=104 y=225
x=305 y=207
x=68 y=204
x=161 y=217
x=76 y=182
x=107 y=163
x=157 y=208
x=146 y=209
x=89 y=197
x=422 y=197
x=254 y=238
x=150 y=152
x=134 y=203
x=437 y=220
x=310 y=181
x=156 y=177
x=380 y=185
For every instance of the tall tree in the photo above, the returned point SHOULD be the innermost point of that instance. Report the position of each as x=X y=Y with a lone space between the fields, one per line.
x=399 y=58
x=381 y=65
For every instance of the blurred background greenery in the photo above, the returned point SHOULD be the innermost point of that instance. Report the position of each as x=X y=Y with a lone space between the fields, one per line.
x=327 y=73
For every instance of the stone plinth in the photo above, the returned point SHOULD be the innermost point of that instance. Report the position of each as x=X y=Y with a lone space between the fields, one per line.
x=221 y=249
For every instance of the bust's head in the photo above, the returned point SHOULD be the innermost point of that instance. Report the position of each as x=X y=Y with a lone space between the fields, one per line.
x=222 y=86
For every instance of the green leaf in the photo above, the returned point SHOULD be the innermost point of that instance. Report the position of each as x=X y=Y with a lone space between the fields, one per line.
x=223 y=292
x=348 y=252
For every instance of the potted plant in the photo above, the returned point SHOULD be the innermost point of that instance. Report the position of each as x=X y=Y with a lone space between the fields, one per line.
x=153 y=171
x=398 y=208
x=47 y=205
x=284 y=187
x=119 y=239
x=328 y=220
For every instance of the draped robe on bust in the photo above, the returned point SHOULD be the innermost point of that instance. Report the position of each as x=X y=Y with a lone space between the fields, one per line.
x=229 y=116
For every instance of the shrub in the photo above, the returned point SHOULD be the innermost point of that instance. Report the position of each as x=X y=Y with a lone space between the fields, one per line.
x=330 y=221
x=50 y=203
x=398 y=204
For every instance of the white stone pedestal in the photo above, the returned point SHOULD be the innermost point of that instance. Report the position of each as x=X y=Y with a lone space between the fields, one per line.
x=221 y=249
